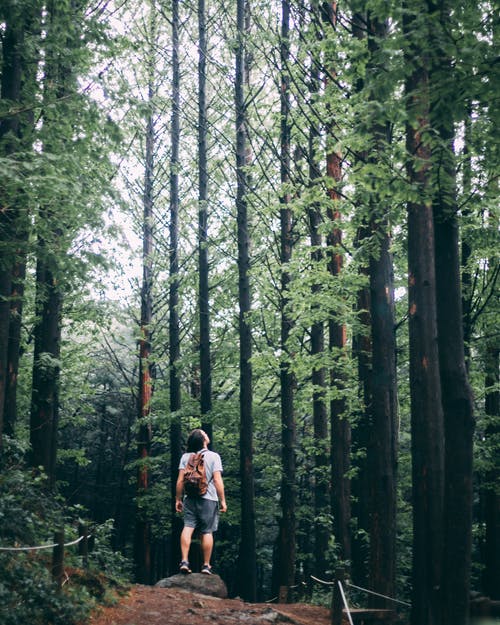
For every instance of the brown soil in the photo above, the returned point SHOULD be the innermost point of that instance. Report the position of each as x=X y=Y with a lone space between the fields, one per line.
x=150 y=605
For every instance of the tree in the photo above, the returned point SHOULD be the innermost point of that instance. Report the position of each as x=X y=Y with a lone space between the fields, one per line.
x=340 y=427
x=286 y=534
x=455 y=390
x=247 y=556
x=382 y=450
x=173 y=302
x=59 y=83
x=317 y=331
x=203 y=273
x=427 y=428
x=18 y=86
x=142 y=553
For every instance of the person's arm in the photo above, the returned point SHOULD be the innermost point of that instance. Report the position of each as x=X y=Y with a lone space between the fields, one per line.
x=179 y=490
x=219 y=487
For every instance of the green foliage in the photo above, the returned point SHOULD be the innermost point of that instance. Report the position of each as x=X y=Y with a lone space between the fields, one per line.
x=29 y=516
x=28 y=595
x=88 y=163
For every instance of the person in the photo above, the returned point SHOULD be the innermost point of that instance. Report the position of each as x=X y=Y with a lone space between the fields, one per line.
x=200 y=512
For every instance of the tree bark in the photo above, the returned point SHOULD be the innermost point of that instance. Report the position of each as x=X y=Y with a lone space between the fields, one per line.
x=427 y=427
x=320 y=418
x=456 y=393
x=340 y=433
x=203 y=285
x=46 y=368
x=247 y=554
x=322 y=506
x=362 y=350
x=174 y=327
x=17 y=85
x=59 y=81
x=285 y=573
x=382 y=451
x=142 y=545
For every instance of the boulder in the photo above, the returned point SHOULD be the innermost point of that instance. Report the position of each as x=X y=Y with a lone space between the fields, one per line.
x=211 y=585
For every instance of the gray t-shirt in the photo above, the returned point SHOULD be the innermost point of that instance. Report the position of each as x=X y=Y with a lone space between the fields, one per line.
x=212 y=463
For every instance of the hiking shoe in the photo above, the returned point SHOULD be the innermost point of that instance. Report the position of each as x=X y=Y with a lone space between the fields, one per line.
x=206 y=569
x=184 y=567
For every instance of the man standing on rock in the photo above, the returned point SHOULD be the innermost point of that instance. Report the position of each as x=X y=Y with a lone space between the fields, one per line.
x=202 y=511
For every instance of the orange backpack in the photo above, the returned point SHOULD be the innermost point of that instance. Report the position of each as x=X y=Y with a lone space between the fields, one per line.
x=195 y=478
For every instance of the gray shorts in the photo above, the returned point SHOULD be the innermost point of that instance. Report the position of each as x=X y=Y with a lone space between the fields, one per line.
x=202 y=514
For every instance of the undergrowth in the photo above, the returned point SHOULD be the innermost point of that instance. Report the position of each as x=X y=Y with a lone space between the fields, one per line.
x=29 y=516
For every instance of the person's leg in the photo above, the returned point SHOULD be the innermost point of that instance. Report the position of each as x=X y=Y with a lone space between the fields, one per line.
x=186 y=535
x=207 y=545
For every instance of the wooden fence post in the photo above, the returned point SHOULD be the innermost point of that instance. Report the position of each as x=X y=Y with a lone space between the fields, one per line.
x=58 y=558
x=337 y=604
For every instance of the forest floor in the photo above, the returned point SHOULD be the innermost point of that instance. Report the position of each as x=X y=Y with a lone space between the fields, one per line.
x=151 y=605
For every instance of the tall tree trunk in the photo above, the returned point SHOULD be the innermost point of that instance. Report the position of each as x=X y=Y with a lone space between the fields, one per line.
x=285 y=565
x=203 y=286
x=362 y=350
x=455 y=389
x=142 y=525
x=382 y=453
x=340 y=425
x=247 y=555
x=456 y=397
x=46 y=367
x=427 y=427
x=18 y=78
x=59 y=82
x=320 y=418
x=14 y=343
x=360 y=487
x=318 y=374
x=382 y=456
x=28 y=59
x=174 y=328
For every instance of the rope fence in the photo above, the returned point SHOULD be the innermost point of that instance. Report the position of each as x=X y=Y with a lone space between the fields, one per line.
x=337 y=586
x=50 y=546
x=58 y=546
x=377 y=594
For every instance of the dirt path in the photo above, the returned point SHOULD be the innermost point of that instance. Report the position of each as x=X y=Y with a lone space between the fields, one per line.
x=150 y=605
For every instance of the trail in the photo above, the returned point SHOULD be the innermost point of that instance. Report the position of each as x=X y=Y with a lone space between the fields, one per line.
x=151 y=605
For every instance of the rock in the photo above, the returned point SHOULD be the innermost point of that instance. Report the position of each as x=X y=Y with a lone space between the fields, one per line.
x=211 y=585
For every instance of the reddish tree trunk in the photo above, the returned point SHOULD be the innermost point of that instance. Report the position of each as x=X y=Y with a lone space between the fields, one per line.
x=340 y=449
x=142 y=524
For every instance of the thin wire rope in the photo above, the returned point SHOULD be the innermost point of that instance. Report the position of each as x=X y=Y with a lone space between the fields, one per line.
x=51 y=546
x=345 y=601
x=322 y=581
x=371 y=592
x=377 y=594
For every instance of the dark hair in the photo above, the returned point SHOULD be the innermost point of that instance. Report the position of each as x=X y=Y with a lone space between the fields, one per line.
x=196 y=441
